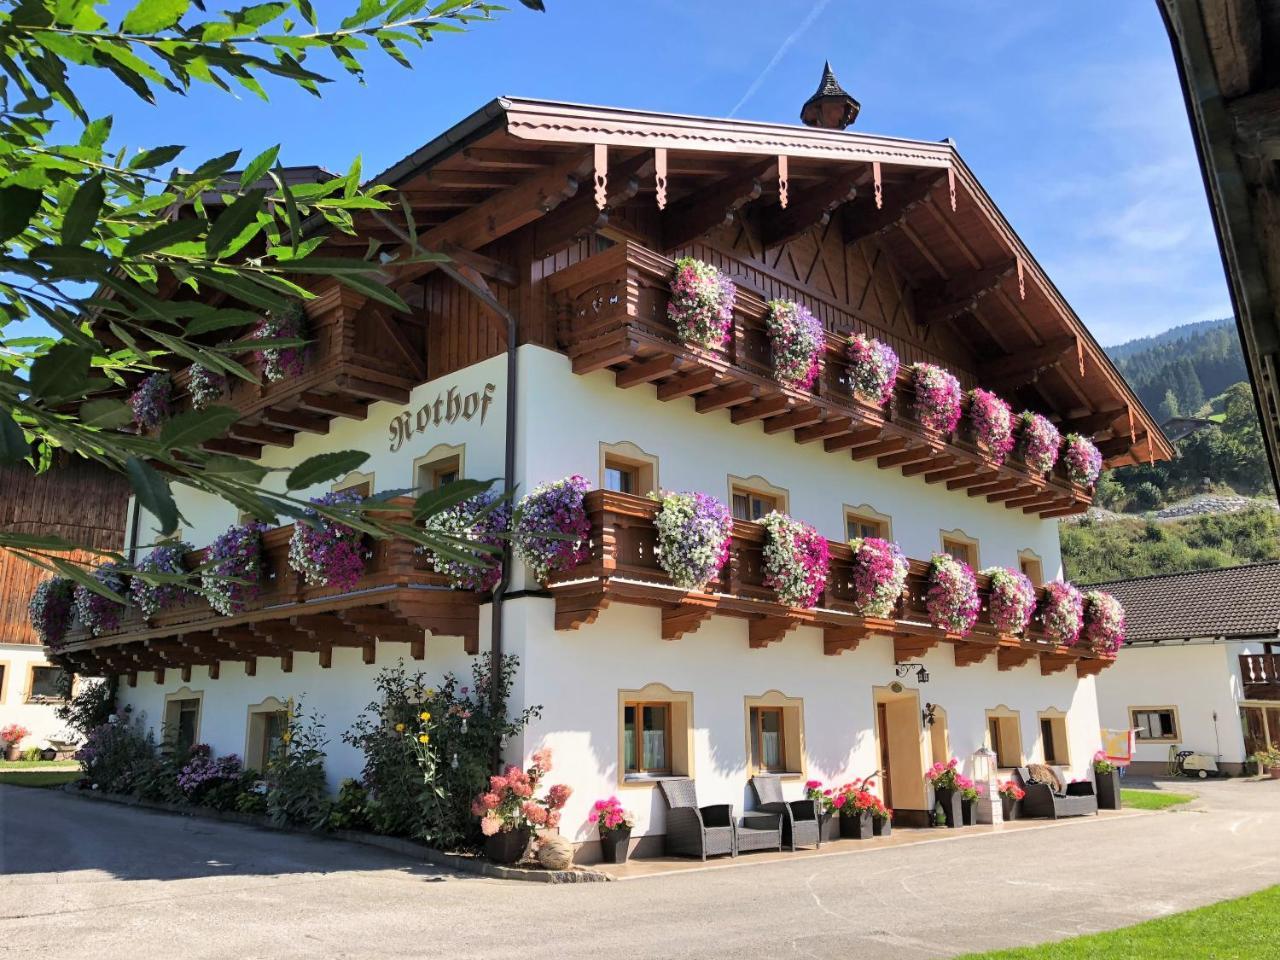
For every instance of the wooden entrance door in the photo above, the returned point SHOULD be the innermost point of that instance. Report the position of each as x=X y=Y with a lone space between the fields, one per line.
x=882 y=735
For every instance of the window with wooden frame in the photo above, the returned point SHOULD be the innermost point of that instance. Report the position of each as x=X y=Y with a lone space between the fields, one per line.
x=655 y=734
x=1032 y=566
x=1155 y=723
x=862 y=521
x=625 y=468
x=768 y=739
x=1004 y=736
x=442 y=465
x=4 y=681
x=775 y=733
x=46 y=684
x=267 y=721
x=1054 y=745
x=961 y=546
x=357 y=482
x=751 y=498
x=182 y=710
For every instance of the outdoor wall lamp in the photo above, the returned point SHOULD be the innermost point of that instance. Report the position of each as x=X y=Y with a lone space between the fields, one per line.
x=906 y=669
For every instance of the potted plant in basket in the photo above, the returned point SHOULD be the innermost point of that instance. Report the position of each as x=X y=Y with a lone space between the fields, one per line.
x=1108 y=782
x=945 y=780
x=855 y=811
x=615 y=823
x=881 y=819
x=509 y=811
x=968 y=800
x=1267 y=759
x=1010 y=794
x=12 y=735
x=828 y=804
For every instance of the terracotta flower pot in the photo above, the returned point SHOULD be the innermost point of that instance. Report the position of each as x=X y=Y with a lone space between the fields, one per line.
x=1274 y=772
x=507 y=846
x=11 y=751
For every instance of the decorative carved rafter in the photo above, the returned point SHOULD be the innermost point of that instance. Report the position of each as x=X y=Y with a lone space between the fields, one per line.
x=714 y=205
x=1051 y=663
x=683 y=618
x=967 y=654
x=588 y=213
x=914 y=647
x=762 y=631
x=962 y=295
x=810 y=208
x=863 y=222
x=836 y=640
x=1016 y=369
x=1007 y=658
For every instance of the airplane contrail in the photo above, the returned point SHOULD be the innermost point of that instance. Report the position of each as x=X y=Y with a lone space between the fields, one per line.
x=795 y=35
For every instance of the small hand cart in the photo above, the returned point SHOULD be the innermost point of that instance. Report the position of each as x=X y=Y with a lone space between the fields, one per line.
x=1191 y=763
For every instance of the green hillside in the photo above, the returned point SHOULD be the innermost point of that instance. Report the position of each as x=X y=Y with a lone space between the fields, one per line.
x=1174 y=373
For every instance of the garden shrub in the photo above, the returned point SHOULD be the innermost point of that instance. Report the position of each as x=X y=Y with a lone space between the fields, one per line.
x=297 y=792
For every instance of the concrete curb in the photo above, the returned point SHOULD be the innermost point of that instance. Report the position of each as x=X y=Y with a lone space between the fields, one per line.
x=463 y=863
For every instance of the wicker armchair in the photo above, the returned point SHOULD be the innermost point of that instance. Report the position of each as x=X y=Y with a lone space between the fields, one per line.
x=1041 y=800
x=801 y=824
x=694 y=831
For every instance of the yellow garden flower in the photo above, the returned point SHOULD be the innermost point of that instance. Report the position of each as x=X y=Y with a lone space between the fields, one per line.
x=399 y=728
x=431 y=693
x=424 y=716
x=423 y=738
x=286 y=736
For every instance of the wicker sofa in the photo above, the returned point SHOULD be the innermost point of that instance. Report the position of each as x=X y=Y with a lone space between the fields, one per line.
x=1042 y=800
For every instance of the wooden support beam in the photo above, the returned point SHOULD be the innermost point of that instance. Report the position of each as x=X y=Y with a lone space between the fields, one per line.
x=729 y=395
x=489 y=268
x=977 y=477
x=713 y=206
x=504 y=159
x=992 y=486
x=960 y=471
x=647 y=371
x=295 y=420
x=913 y=647
x=806 y=209
x=261 y=434
x=1091 y=423
x=1091 y=668
x=1009 y=657
x=582 y=215
x=887 y=445
x=1002 y=493
x=215 y=670
x=760 y=409
x=865 y=220
x=836 y=640
x=334 y=405
x=803 y=417
x=369 y=390
x=961 y=295
x=762 y=631
x=935 y=463
x=967 y=654
x=905 y=457
x=688 y=384
x=683 y=618
x=380 y=315
x=579 y=609
x=1051 y=663
x=1020 y=367
x=235 y=448
x=827 y=428
x=853 y=438
x=602 y=357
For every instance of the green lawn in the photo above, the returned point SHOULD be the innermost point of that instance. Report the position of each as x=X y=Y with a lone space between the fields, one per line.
x=1153 y=799
x=1233 y=930
x=39 y=765
x=39 y=778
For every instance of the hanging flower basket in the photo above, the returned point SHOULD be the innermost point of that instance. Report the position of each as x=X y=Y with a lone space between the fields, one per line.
x=992 y=421
x=1038 y=441
x=329 y=554
x=952 y=597
x=797 y=340
x=1013 y=599
x=99 y=614
x=879 y=576
x=154 y=598
x=1083 y=460
x=281 y=362
x=50 y=608
x=701 y=305
x=694 y=531
x=552 y=530
x=937 y=397
x=1104 y=626
x=152 y=402
x=482 y=519
x=205 y=387
x=873 y=369
x=795 y=560
x=1062 y=613
x=236 y=554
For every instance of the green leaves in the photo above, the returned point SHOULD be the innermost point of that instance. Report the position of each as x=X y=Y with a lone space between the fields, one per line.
x=152 y=491
x=242 y=212
x=62 y=372
x=258 y=167
x=13 y=443
x=194 y=427
x=166 y=235
x=82 y=212
x=324 y=467
x=17 y=206
x=152 y=16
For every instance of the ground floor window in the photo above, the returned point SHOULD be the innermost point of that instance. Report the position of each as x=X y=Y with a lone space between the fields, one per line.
x=267 y=721
x=768 y=748
x=1261 y=727
x=1004 y=736
x=775 y=733
x=647 y=740
x=1053 y=737
x=1155 y=723
x=182 y=719
x=47 y=683
x=655 y=733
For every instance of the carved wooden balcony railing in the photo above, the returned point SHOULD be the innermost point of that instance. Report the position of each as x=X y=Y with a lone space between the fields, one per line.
x=613 y=310
x=1260 y=675
x=624 y=567
x=357 y=355
x=398 y=599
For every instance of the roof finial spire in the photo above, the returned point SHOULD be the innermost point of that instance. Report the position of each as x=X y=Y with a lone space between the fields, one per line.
x=830 y=107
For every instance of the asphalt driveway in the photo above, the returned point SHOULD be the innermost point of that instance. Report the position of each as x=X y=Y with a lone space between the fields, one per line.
x=81 y=879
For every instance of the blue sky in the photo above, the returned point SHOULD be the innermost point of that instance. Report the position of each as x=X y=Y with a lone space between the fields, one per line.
x=1069 y=113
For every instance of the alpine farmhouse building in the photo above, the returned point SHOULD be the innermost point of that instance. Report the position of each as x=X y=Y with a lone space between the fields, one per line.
x=563 y=223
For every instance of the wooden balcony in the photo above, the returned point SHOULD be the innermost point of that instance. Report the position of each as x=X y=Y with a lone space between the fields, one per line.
x=398 y=599
x=357 y=356
x=613 y=310
x=1260 y=675
x=624 y=567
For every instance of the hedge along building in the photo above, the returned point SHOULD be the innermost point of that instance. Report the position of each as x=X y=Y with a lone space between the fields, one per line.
x=544 y=349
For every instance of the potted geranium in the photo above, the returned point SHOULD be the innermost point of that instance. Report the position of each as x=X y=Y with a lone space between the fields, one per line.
x=484 y=520
x=1268 y=761
x=952 y=598
x=796 y=558
x=204 y=386
x=13 y=735
x=50 y=609
x=552 y=529
x=879 y=575
x=1107 y=778
x=614 y=823
x=855 y=811
x=693 y=538
x=1062 y=612
x=326 y=552
x=701 y=305
x=968 y=800
x=1038 y=442
x=97 y=613
x=873 y=369
x=279 y=362
x=165 y=560
x=1104 y=624
x=992 y=421
x=797 y=340
x=1013 y=599
x=938 y=397
x=152 y=401
x=232 y=574
x=881 y=819
x=945 y=780
x=1010 y=794
x=828 y=810
x=1083 y=460
x=510 y=809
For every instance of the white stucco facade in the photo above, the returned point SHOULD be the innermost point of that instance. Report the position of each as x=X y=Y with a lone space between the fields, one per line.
x=17 y=705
